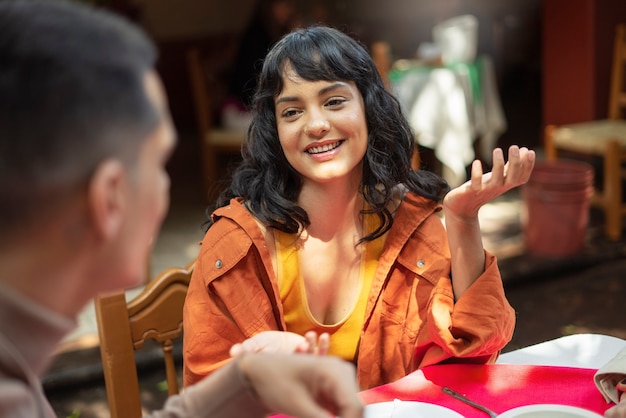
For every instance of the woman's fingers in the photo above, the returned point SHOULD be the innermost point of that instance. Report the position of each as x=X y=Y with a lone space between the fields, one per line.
x=235 y=350
x=498 y=167
x=476 y=179
x=323 y=344
x=527 y=158
x=313 y=344
x=514 y=172
x=283 y=341
x=519 y=167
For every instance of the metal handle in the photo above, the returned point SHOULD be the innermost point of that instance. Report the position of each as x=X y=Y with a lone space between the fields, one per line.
x=469 y=402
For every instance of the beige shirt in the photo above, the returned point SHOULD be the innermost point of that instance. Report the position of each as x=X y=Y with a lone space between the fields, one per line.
x=29 y=335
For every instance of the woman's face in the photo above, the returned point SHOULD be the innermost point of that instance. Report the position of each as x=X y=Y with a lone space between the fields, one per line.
x=322 y=128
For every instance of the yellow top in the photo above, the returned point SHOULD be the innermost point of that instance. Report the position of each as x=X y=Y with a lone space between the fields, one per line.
x=345 y=334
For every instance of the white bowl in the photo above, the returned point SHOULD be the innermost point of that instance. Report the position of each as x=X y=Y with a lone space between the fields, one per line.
x=548 y=411
x=408 y=409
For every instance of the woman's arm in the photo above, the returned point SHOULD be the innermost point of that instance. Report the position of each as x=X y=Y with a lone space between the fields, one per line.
x=461 y=207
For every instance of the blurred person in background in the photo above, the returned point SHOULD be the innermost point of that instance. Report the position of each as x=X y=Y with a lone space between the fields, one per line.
x=271 y=19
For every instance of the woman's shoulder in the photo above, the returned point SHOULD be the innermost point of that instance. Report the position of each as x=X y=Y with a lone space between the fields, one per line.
x=235 y=209
x=403 y=196
x=234 y=232
x=416 y=211
x=235 y=216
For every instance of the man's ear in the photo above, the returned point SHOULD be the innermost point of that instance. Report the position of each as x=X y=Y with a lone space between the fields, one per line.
x=106 y=198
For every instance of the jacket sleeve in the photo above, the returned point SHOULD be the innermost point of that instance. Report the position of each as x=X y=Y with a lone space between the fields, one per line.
x=414 y=321
x=227 y=302
x=225 y=394
x=475 y=328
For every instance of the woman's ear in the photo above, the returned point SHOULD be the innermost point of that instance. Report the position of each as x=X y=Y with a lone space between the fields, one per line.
x=106 y=199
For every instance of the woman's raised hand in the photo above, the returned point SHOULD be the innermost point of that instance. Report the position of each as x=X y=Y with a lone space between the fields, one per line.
x=465 y=200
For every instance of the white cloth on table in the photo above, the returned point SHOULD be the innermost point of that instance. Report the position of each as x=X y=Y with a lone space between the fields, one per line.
x=436 y=107
x=489 y=119
x=447 y=116
x=578 y=350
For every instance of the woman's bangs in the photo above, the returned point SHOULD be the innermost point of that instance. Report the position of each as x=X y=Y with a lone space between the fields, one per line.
x=312 y=62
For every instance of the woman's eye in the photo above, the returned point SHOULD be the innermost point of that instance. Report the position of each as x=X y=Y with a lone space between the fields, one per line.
x=289 y=113
x=334 y=102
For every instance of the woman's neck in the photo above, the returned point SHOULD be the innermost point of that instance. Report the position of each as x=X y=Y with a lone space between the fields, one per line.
x=332 y=209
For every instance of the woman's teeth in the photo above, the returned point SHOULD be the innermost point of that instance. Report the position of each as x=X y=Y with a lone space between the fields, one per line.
x=323 y=148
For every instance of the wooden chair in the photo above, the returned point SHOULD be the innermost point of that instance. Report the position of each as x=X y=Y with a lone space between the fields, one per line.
x=604 y=138
x=215 y=142
x=123 y=327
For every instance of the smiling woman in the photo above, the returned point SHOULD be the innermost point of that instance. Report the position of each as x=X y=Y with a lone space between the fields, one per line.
x=333 y=238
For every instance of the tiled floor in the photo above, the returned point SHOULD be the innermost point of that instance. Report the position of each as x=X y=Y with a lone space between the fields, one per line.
x=552 y=297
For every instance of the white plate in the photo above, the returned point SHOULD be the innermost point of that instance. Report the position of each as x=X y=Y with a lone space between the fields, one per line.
x=548 y=411
x=408 y=409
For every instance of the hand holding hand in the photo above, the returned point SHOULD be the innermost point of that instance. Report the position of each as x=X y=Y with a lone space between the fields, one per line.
x=284 y=342
x=303 y=386
x=464 y=201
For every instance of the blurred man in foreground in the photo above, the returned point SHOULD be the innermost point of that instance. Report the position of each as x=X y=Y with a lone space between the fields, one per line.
x=85 y=133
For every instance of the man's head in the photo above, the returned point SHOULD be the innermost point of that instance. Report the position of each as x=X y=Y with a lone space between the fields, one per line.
x=84 y=128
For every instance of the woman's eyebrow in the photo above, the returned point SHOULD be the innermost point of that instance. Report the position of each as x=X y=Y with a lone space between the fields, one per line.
x=286 y=99
x=331 y=87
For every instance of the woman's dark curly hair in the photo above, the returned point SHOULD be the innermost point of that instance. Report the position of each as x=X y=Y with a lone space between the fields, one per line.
x=270 y=186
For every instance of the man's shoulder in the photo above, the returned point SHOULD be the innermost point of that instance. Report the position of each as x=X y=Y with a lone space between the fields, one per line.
x=17 y=397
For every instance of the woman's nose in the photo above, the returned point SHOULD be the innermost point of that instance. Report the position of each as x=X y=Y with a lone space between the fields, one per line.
x=317 y=126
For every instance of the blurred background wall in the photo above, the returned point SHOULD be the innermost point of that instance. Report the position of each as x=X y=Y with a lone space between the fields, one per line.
x=551 y=56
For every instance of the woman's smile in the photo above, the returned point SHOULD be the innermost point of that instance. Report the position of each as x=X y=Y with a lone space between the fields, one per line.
x=319 y=149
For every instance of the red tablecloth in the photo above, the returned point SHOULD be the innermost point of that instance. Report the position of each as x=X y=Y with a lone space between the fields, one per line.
x=498 y=386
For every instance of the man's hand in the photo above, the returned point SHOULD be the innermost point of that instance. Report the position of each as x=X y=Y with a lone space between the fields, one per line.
x=303 y=386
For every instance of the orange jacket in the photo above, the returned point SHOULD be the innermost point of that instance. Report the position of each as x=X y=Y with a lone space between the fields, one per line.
x=411 y=318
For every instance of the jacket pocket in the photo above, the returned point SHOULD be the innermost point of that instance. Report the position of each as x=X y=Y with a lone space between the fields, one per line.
x=223 y=252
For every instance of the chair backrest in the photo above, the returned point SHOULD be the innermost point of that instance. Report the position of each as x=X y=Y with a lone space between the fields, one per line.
x=123 y=327
x=617 y=96
x=209 y=66
x=200 y=90
x=381 y=55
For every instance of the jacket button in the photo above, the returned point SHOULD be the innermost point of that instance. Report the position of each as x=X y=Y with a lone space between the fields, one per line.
x=421 y=263
x=219 y=264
